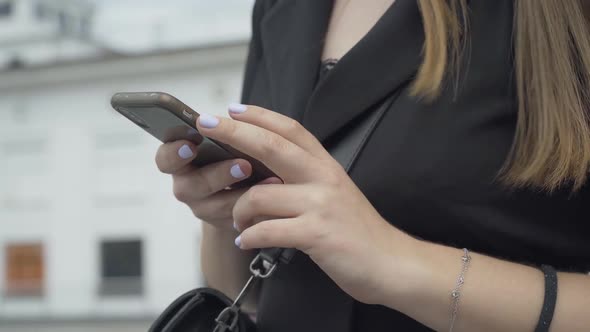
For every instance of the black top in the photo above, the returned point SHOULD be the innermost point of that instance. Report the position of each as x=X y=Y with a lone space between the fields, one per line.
x=429 y=168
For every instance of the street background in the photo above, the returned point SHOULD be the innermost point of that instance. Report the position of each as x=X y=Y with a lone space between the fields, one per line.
x=91 y=237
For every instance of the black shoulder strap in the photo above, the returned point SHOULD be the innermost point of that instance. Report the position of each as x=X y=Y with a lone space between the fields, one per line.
x=347 y=149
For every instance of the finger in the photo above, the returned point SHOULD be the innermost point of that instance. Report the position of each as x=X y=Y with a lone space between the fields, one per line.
x=275 y=200
x=283 y=125
x=202 y=182
x=284 y=158
x=173 y=156
x=271 y=180
x=216 y=209
x=279 y=233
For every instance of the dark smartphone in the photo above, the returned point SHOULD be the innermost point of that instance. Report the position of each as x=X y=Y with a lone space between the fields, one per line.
x=168 y=119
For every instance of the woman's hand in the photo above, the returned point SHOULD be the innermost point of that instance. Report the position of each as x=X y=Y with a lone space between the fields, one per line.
x=319 y=210
x=203 y=189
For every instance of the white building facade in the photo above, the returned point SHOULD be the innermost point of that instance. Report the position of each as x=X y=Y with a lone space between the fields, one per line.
x=90 y=232
x=74 y=174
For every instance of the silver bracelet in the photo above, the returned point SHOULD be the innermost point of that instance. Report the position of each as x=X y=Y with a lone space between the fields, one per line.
x=456 y=293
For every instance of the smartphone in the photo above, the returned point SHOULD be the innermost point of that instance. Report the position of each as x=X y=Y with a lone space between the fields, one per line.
x=168 y=119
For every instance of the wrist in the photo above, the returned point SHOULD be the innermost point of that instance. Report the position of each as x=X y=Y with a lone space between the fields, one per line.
x=215 y=231
x=412 y=276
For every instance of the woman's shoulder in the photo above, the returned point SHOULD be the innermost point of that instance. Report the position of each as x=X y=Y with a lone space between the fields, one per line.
x=261 y=7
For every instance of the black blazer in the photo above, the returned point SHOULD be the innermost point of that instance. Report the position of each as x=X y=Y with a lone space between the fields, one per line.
x=429 y=168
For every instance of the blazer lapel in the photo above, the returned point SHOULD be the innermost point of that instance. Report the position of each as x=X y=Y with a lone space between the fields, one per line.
x=292 y=35
x=382 y=62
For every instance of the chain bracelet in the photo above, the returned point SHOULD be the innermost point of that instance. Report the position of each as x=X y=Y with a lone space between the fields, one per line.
x=456 y=292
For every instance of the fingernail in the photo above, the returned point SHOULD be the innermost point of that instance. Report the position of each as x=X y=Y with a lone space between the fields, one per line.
x=208 y=121
x=236 y=171
x=272 y=180
x=185 y=152
x=236 y=226
x=237 y=108
x=238 y=241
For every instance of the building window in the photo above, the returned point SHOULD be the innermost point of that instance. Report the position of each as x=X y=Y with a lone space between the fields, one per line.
x=114 y=140
x=24 y=269
x=114 y=201
x=41 y=11
x=23 y=147
x=122 y=267
x=85 y=27
x=21 y=112
x=5 y=9
x=13 y=203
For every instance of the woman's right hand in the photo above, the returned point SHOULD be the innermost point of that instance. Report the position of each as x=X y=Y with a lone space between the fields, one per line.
x=204 y=189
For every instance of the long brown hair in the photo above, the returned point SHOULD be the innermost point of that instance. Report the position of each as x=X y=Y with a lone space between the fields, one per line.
x=551 y=145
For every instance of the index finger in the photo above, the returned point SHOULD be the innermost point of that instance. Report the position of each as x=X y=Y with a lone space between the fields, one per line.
x=278 y=123
x=284 y=158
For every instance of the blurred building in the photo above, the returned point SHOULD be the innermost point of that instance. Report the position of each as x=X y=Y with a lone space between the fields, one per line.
x=40 y=31
x=91 y=238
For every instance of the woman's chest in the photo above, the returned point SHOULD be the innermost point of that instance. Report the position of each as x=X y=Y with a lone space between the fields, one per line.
x=435 y=172
x=446 y=150
x=350 y=20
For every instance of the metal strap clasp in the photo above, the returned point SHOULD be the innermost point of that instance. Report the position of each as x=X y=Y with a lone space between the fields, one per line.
x=227 y=319
x=261 y=268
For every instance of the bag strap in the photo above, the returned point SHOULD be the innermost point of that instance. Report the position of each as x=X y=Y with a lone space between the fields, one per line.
x=346 y=151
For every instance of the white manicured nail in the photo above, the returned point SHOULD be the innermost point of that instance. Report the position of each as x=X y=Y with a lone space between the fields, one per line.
x=208 y=121
x=237 y=172
x=185 y=152
x=237 y=108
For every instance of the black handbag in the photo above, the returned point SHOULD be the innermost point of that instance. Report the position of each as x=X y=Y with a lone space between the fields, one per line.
x=208 y=310
x=197 y=311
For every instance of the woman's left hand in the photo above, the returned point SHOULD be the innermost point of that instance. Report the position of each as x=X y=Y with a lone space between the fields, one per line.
x=318 y=209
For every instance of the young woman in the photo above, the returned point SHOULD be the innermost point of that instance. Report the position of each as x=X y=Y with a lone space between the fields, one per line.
x=486 y=147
